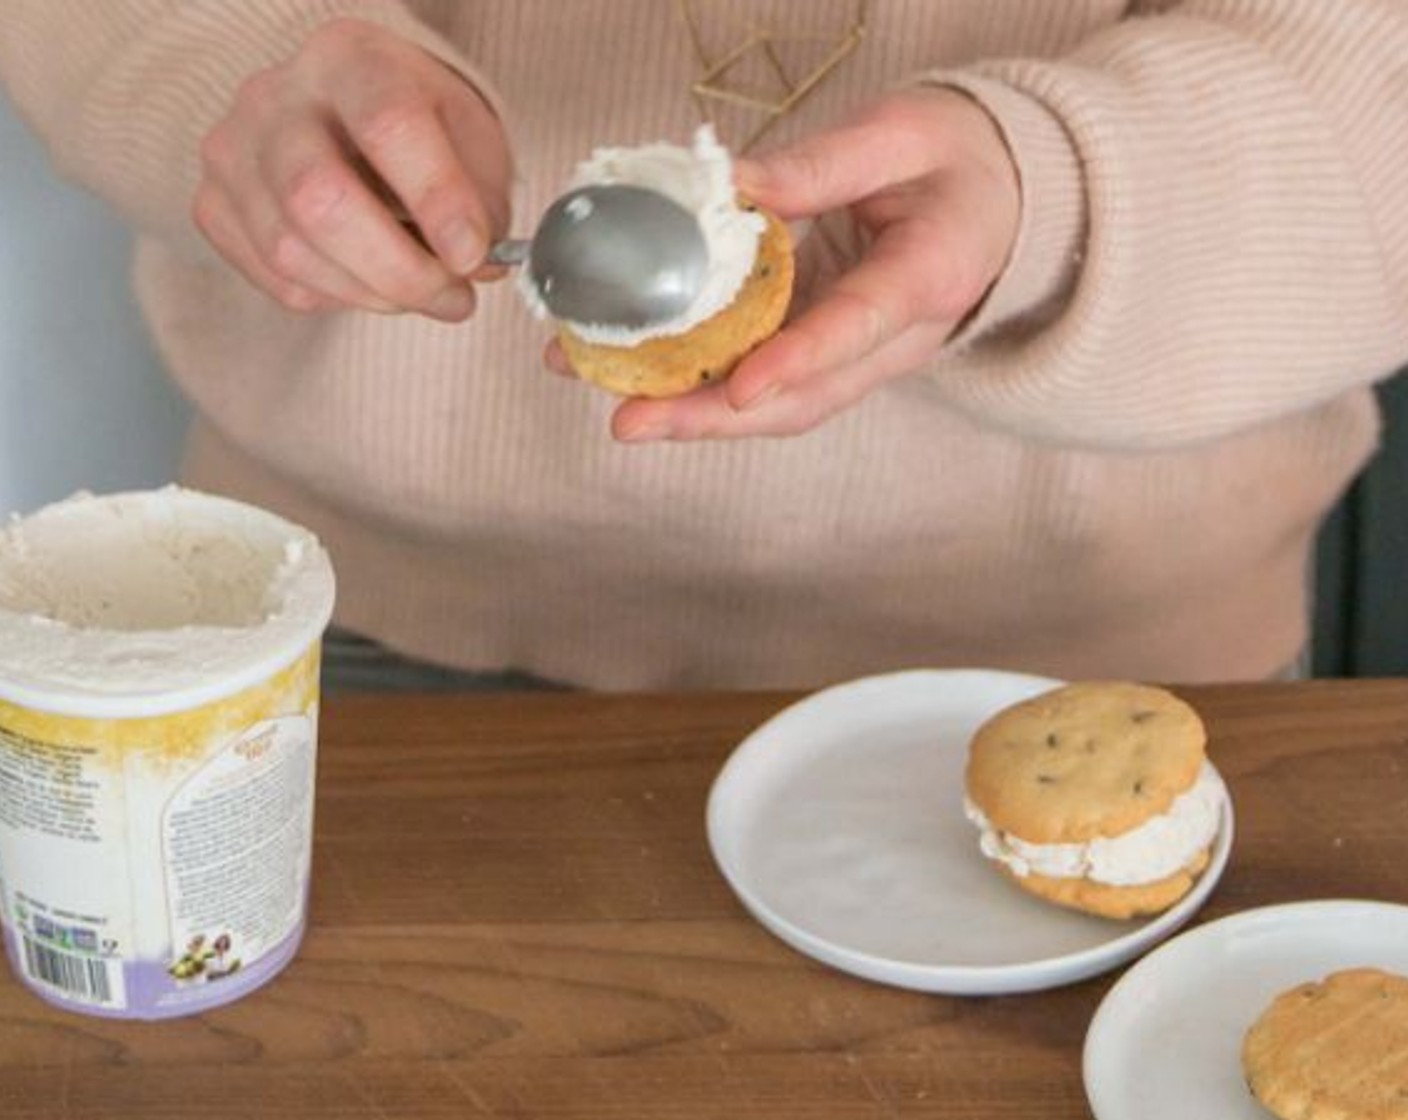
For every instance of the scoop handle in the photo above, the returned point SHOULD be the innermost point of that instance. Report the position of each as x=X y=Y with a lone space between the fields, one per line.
x=510 y=251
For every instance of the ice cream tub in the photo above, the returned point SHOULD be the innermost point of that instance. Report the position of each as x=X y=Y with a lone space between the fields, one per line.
x=159 y=656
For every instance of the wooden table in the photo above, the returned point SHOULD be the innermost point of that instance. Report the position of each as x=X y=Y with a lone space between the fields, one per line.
x=515 y=914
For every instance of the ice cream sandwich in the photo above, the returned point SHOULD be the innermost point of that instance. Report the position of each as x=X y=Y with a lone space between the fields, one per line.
x=1097 y=796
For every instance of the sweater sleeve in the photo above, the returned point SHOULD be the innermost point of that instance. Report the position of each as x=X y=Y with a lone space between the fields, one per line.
x=122 y=91
x=1216 y=225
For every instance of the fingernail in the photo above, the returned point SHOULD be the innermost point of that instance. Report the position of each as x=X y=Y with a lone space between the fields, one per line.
x=761 y=395
x=646 y=433
x=464 y=246
x=453 y=304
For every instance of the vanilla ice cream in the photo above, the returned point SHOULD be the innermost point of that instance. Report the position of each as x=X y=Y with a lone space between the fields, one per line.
x=700 y=179
x=152 y=593
x=1160 y=847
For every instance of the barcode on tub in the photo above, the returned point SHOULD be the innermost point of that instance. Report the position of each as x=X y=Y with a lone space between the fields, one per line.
x=88 y=979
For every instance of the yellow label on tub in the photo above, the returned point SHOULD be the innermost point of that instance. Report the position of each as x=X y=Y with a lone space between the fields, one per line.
x=179 y=735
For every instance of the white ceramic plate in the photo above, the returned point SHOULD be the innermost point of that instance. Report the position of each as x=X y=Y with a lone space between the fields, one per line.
x=839 y=823
x=1166 y=1042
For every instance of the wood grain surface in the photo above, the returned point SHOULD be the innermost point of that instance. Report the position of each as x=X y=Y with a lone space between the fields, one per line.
x=515 y=914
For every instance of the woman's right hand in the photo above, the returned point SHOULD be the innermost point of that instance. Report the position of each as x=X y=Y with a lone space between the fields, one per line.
x=309 y=181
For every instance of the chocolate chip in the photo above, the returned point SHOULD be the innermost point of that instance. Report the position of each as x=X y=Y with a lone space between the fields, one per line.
x=1140 y=717
x=1139 y=787
x=1052 y=740
x=1046 y=780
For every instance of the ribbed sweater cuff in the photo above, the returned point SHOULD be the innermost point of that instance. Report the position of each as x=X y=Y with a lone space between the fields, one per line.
x=1046 y=254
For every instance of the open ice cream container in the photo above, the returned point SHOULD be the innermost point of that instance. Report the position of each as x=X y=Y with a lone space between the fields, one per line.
x=159 y=656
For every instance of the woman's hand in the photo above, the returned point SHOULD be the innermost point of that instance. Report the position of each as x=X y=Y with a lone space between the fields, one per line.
x=310 y=179
x=928 y=177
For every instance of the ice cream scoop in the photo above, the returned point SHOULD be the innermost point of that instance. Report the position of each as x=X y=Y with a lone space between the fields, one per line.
x=615 y=254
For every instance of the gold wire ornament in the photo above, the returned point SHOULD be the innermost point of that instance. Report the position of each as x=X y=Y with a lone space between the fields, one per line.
x=712 y=86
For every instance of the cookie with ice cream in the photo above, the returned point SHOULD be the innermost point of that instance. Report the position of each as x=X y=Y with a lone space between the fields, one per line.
x=742 y=302
x=1097 y=796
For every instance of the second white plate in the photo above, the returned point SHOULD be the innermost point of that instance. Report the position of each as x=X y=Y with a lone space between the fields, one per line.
x=1166 y=1043
x=839 y=824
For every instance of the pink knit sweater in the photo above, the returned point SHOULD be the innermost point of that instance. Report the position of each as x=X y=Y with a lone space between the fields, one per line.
x=1118 y=469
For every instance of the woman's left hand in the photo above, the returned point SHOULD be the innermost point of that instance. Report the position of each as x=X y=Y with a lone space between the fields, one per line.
x=929 y=178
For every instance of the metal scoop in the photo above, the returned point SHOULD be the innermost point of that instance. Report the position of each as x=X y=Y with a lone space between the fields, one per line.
x=614 y=255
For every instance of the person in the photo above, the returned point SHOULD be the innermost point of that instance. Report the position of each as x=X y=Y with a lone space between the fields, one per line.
x=1094 y=298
